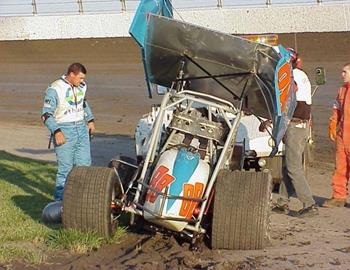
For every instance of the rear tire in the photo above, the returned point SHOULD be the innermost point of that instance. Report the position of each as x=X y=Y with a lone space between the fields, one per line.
x=241 y=217
x=87 y=201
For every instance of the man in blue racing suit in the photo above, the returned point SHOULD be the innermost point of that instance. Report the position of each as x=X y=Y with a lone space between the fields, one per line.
x=68 y=117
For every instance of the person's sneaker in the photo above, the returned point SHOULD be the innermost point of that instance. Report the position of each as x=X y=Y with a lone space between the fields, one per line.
x=280 y=209
x=308 y=211
x=334 y=202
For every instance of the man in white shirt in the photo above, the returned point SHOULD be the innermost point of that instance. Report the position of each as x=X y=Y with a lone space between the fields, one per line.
x=295 y=139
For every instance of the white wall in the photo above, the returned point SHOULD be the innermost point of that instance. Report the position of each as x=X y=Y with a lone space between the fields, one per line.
x=275 y=19
x=267 y=19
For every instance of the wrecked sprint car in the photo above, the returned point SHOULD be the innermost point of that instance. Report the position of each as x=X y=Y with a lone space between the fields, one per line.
x=190 y=177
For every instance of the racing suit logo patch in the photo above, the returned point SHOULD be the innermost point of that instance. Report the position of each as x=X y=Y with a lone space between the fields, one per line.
x=70 y=97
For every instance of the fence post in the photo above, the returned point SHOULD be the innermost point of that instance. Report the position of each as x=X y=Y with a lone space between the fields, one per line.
x=123 y=4
x=219 y=4
x=35 y=11
x=81 y=8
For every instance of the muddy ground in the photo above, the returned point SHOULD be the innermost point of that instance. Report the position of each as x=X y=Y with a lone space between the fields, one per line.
x=118 y=97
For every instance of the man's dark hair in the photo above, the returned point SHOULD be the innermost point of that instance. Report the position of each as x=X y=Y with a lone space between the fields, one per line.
x=76 y=68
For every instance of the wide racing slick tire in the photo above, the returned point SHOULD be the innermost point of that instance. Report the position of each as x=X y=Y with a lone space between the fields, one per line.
x=241 y=215
x=88 y=200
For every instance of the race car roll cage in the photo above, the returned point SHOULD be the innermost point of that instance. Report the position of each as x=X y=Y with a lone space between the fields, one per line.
x=172 y=99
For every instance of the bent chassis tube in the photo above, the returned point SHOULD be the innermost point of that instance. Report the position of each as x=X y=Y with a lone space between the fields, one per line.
x=170 y=100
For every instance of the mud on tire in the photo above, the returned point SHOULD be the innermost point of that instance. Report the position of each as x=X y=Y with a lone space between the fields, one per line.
x=241 y=216
x=87 y=200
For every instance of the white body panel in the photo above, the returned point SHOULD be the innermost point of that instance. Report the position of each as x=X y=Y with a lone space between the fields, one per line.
x=194 y=187
x=260 y=142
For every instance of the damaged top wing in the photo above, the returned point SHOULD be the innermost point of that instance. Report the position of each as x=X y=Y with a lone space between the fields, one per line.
x=138 y=28
x=222 y=65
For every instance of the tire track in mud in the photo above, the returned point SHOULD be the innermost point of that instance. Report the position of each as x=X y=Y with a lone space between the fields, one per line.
x=145 y=252
x=163 y=252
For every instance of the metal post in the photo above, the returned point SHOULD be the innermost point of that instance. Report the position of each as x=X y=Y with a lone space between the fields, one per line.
x=295 y=42
x=80 y=4
x=35 y=11
x=219 y=5
x=123 y=4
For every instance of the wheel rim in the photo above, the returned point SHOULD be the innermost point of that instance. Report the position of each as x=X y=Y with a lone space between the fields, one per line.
x=115 y=211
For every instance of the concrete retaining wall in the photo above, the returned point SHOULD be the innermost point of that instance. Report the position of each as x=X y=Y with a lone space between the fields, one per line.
x=267 y=19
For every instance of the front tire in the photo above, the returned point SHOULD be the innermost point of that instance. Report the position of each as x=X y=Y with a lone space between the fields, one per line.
x=241 y=217
x=88 y=199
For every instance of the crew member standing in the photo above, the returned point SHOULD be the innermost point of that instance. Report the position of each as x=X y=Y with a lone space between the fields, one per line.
x=339 y=131
x=295 y=139
x=69 y=118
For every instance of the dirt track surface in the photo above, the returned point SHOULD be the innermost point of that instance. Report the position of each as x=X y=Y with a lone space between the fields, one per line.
x=118 y=97
x=321 y=242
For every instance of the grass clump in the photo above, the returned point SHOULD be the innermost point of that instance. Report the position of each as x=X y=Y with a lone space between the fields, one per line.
x=74 y=241
x=80 y=242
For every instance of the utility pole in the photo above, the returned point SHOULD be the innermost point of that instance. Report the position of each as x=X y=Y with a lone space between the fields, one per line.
x=80 y=4
x=220 y=3
x=35 y=11
x=123 y=4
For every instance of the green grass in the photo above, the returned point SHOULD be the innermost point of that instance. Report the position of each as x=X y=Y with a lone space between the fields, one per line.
x=79 y=242
x=31 y=256
x=26 y=186
x=74 y=241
